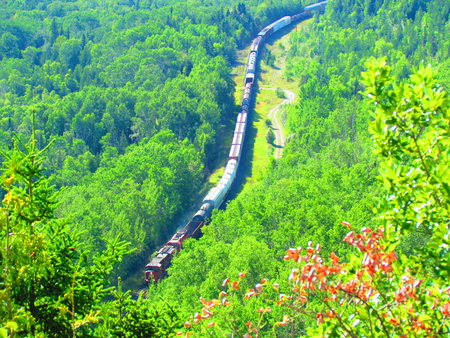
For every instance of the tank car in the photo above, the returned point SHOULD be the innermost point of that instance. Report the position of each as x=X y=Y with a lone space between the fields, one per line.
x=298 y=16
x=203 y=213
x=248 y=88
x=251 y=62
x=216 y=195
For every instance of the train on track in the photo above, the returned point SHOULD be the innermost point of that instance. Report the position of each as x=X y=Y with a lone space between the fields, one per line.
x=157 y=267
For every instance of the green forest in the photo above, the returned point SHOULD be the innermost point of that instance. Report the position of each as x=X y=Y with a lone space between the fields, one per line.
x=133 y=98
x=111 y=116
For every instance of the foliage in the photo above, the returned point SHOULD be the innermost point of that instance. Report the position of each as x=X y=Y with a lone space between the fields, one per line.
x=270 y=136
x=379 y=291
x=49 y=285
x=412 y=133
x=125 y=317
x=280 y=93
x=104 y=78
x=138 y=196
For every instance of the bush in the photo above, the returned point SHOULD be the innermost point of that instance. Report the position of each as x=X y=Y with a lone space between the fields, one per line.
x=270 y=136
x=280 y=93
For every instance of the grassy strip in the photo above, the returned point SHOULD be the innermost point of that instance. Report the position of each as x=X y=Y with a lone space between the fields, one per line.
x=270 y=77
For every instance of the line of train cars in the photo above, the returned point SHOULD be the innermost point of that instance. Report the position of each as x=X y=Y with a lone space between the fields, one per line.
x=157 y=268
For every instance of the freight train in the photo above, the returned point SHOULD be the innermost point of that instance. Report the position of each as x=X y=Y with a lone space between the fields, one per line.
x=157 y=268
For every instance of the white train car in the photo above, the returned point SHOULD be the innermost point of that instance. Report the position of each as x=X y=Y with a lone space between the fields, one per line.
x=283 y=22
x=318 y=6
x=217 y=194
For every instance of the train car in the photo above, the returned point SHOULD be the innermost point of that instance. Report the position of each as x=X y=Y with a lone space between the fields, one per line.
x=193 y=229
x=273 y=27
x=249 y=78
x=156 y=269
x=298 y=16
x=242 y=118
x=248 y=88
x=238 y=138
x=241 y=124
x=266 y=32
x=251 y=62
x=240 y=128
x=318 y=6
x=217 y=194
x=251 y=66
x=213 y=197
x=177 y=240
x=235 y=152
x=283 y=22
x=203 y=213
x=231 y=168
x=256 y=43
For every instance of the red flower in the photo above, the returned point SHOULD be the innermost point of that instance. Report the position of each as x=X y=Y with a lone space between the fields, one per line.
x=445 y=309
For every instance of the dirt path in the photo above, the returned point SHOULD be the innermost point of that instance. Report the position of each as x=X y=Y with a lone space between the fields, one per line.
x=276 y=125
x=274 y=117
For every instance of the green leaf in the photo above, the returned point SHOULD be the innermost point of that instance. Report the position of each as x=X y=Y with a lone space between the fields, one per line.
x=3 y=332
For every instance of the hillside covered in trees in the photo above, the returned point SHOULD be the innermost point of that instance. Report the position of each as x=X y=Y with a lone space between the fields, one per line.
x=133 y=96
x=328 y=173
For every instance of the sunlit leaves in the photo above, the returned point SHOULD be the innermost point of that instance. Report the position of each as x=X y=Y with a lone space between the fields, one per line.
x=45 y=270
x=415 y=145
x=378 y=291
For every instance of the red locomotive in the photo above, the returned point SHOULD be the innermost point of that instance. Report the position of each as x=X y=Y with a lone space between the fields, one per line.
x=157 y=268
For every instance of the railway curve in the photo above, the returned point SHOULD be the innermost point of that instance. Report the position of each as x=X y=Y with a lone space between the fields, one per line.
x=157 y=267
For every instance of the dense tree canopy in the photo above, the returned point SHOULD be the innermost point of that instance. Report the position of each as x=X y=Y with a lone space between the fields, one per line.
x=112 y=80
x=134 y=96
x=328 y=171
x=378 y=289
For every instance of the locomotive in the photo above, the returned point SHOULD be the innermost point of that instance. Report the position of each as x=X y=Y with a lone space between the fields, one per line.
x=157 y=268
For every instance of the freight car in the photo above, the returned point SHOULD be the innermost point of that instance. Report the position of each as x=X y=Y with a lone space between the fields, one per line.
x=157 y=267
x=320 y=6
